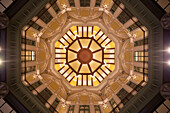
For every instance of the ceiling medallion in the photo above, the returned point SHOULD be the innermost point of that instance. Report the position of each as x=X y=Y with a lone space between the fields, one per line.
x=85 y=56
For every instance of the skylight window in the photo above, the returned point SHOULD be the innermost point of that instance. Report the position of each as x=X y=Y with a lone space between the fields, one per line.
x=85 y=56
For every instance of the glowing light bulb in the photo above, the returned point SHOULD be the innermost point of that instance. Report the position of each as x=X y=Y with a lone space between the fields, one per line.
x=64 y=105
x=34 y=76
x=134 y=77
x=64 y=6
x=168 y=50
x=1 y=61
x=169 y=62
x=134 y=35
x=104 y=105
x=105 y=6
x=35 y=35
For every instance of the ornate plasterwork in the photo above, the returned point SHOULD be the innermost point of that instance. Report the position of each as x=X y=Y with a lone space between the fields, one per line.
x=110 y=35
x=85 y=56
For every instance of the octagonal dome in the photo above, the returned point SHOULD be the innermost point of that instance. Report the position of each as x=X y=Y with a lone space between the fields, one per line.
x=79 y=54
x=85 y=56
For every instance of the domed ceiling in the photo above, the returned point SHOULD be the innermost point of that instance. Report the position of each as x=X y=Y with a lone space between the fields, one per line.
x=84 y=56
x=82 y=52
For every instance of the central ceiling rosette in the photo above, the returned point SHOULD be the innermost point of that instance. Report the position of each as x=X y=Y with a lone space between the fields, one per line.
x=85 y=56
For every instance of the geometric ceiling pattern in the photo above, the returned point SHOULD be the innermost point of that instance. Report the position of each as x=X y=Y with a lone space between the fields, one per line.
x=85 y=56
x=82 y=57
x=79 y=58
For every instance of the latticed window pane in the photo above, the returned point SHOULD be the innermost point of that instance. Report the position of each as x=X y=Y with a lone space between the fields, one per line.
x=141 y=56
x=128 y=97
x=141 y=70
x=141 y=42
x=34 y=85
x=72 y=4
x=84 y=3
x=84 y=109
x=125 y=16
x=124 y=101
x=45 y=16
x=55 y=6
x=97 y=109
x=54 y=105
x=115 y=110
x=44 y=95
x=134 y=26
x=28 y=55
x=98 y=3
x=52 y=109
x=28 y=42
x=131 y=84
x=28 y=69
x=35 y=25
x=52 y=1
x=71 y=109
x=115 y=6
x=112 y=103
x=122 y=94
x=139 y=87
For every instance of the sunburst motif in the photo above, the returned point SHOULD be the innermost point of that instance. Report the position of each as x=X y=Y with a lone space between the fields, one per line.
x=85 y=56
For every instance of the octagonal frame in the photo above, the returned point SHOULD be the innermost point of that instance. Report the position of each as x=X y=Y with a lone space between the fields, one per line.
x=108 y=78
x=155 y=78
x=77 y=38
